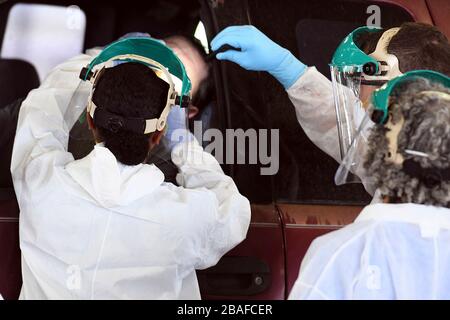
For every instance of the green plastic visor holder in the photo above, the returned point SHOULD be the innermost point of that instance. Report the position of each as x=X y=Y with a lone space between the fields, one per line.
x=148 y=48
x=380 y=98
x=349 y=54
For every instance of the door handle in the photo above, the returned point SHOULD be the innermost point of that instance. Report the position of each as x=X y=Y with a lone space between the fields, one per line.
x=235 y=276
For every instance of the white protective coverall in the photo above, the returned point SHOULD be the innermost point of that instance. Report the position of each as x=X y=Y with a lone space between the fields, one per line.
x=312 y=97
x=98 y=229
x=391 y=251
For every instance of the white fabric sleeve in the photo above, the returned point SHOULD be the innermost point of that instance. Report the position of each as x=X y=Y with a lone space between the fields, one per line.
x=41 y=132
x=312 y=96
x=222 y=218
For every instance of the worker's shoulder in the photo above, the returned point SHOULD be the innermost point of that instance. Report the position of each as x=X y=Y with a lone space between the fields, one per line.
x=344 y=237
x=66 y=74
x=199 y=199
x=181 y=190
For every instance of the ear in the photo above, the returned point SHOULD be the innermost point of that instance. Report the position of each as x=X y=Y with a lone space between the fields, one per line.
x=90 y=121
x=192 y=111
x=93 y=128
x=155 y=138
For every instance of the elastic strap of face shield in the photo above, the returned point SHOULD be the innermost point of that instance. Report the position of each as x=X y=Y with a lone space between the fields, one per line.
x=115 y=122
x=438 y=94
x=388 y=65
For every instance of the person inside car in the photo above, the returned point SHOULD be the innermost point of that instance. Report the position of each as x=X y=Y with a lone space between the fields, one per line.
x=107 y=226
x=193 y=56
x=397 y=249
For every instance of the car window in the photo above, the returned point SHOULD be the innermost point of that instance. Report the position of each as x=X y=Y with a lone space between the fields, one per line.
x=43 y=35
x=311 y=30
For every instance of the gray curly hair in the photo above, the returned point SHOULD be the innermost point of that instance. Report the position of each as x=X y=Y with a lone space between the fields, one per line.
x=426 y=129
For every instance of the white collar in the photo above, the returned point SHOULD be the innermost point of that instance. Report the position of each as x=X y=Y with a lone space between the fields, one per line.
x=430 y=219
x=110 y=182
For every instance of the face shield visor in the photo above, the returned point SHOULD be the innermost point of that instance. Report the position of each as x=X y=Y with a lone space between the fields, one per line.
x=155 y=55
x=378 y=114
x=351 y=70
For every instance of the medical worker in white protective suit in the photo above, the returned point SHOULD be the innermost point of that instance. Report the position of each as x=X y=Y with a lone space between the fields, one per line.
x=331 y=111
x=107 y=226
x=398 y=249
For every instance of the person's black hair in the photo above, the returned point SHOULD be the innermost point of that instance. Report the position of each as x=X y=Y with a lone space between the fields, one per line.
x=421 y=46
x=131 y=90
x=416 y=45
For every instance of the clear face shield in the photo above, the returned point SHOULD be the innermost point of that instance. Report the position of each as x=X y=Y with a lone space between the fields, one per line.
x=378 y=114
x=173 y=119
x=349 y=112
x=353 y=73
x=351 y=169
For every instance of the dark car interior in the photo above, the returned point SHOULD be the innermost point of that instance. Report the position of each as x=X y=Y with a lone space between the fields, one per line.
x=243 y=100
x=17 y=78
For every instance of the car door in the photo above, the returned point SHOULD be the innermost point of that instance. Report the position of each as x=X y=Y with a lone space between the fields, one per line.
x=10 y=276
x=254 y=269
x=302 y=194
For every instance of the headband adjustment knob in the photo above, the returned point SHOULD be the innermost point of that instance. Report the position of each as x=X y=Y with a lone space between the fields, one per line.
x=370 y=68
x=115 y=124
x=85 y=75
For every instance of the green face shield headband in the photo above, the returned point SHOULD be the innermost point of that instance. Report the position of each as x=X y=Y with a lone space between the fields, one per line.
x=348 y=53
x=351 y=67
x=156 y=56
x=380 y=98
x=375 y=68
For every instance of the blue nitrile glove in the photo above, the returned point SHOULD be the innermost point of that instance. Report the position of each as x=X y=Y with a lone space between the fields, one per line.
x=177 y=131
x=258 y=53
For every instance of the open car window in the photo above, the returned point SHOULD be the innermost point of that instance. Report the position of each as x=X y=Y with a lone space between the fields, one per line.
x=311 y=30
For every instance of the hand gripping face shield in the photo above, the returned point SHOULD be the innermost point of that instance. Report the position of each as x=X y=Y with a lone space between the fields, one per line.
x=155 y=55
x=351 y=67
x=378 y=114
